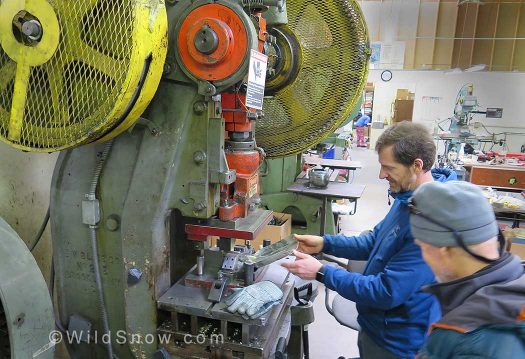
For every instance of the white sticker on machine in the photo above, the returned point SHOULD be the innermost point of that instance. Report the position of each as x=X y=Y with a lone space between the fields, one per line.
x=253 y=185
x=256 y=80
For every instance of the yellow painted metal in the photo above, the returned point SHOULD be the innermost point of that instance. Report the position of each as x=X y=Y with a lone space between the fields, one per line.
x=26 y=56
x=31 y=55
x=95 y=69
x=19 y=100
x=334 y=65
x=157 y=27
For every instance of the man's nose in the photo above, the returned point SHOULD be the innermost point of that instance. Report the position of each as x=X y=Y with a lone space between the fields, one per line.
x=383 y=174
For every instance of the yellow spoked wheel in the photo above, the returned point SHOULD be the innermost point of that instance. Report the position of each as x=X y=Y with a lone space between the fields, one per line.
x=313 y=90
x=74 y=72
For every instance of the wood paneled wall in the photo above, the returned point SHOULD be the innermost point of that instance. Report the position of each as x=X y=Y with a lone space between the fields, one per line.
x=443 y=34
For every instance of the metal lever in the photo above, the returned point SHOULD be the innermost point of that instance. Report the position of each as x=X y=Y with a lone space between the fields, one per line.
x=306 y=299
x=280 y=349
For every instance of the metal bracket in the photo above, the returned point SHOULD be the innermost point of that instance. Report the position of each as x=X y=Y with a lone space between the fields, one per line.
x=79 y=327
x=217 y=289
x=227 y=177
x=355 y=208
x=90 y=211
x=230 y=261
x=205 y=88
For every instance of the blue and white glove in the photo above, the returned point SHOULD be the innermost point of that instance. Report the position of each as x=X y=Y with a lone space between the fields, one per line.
x=254 y=300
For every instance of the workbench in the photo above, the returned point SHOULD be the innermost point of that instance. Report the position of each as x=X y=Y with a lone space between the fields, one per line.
x=333 y=164
x=337 y=164
x=498 y=176
x=515 y=214
x=334 y=190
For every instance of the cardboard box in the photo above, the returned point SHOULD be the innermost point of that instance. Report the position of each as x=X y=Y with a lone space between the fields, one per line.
x=404 y=94
x=272 y=232
x=518 y=248
x=515 y=241
x=403 y=110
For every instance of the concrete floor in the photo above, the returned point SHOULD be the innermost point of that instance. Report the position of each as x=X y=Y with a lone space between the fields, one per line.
x=328 y=338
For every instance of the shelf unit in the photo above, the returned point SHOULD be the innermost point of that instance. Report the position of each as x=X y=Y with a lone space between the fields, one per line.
x=368 y=99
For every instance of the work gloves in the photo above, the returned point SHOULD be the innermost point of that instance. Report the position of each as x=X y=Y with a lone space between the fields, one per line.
x=253 y=301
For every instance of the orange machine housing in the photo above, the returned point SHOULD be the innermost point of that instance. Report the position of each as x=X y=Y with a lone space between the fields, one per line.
x=237 y=197
x=221 y=63
x=232 y=42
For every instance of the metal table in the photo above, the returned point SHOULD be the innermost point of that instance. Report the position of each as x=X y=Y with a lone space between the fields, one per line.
x=337 y=190
x=339 y=164
x=516 y=214
x=334 y=164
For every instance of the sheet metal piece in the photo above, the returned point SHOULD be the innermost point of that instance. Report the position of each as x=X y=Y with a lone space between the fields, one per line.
x=273 y=252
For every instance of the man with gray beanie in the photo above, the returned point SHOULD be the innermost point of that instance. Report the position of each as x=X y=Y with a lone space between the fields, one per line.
x=482 y=288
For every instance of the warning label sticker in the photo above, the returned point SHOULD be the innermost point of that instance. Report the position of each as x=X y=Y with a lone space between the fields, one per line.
x=256 y=80
x=253 y=186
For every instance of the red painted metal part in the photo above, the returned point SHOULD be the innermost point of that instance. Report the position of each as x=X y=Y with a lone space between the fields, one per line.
x=235 y=113
x=196 y=231
x=262 y=31
x=201 y=232
x=246 y=186
x=232 y=48
x=245 y=163
x=225 y=43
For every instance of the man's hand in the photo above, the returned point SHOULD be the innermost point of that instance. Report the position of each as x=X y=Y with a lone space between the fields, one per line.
x=305 y=266
x=309 y=244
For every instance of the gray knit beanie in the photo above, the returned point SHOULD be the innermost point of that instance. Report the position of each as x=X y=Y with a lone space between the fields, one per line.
x=456 y=204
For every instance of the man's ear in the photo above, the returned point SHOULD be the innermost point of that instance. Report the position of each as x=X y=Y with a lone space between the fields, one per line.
x=418 y=164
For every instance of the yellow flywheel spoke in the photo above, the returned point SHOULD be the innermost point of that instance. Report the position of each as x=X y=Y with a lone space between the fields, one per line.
x=292 y=104
x=99 y=61
x=321 y=57
x=77 y=49
x=23 y=72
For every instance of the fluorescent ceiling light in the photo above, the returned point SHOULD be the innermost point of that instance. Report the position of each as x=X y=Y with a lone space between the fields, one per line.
x=475 y=68
x=461 y=2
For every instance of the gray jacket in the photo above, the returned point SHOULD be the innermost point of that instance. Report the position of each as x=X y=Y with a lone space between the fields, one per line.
x=483 y=314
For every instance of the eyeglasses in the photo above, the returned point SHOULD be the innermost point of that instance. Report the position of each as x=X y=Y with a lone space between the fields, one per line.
x=457 y=236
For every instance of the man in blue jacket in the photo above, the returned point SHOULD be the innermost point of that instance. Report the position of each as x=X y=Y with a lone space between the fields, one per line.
x=394 y=313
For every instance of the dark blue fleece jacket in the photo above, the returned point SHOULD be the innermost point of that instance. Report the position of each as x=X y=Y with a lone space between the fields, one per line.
x=393 y=310
x=483 y=314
